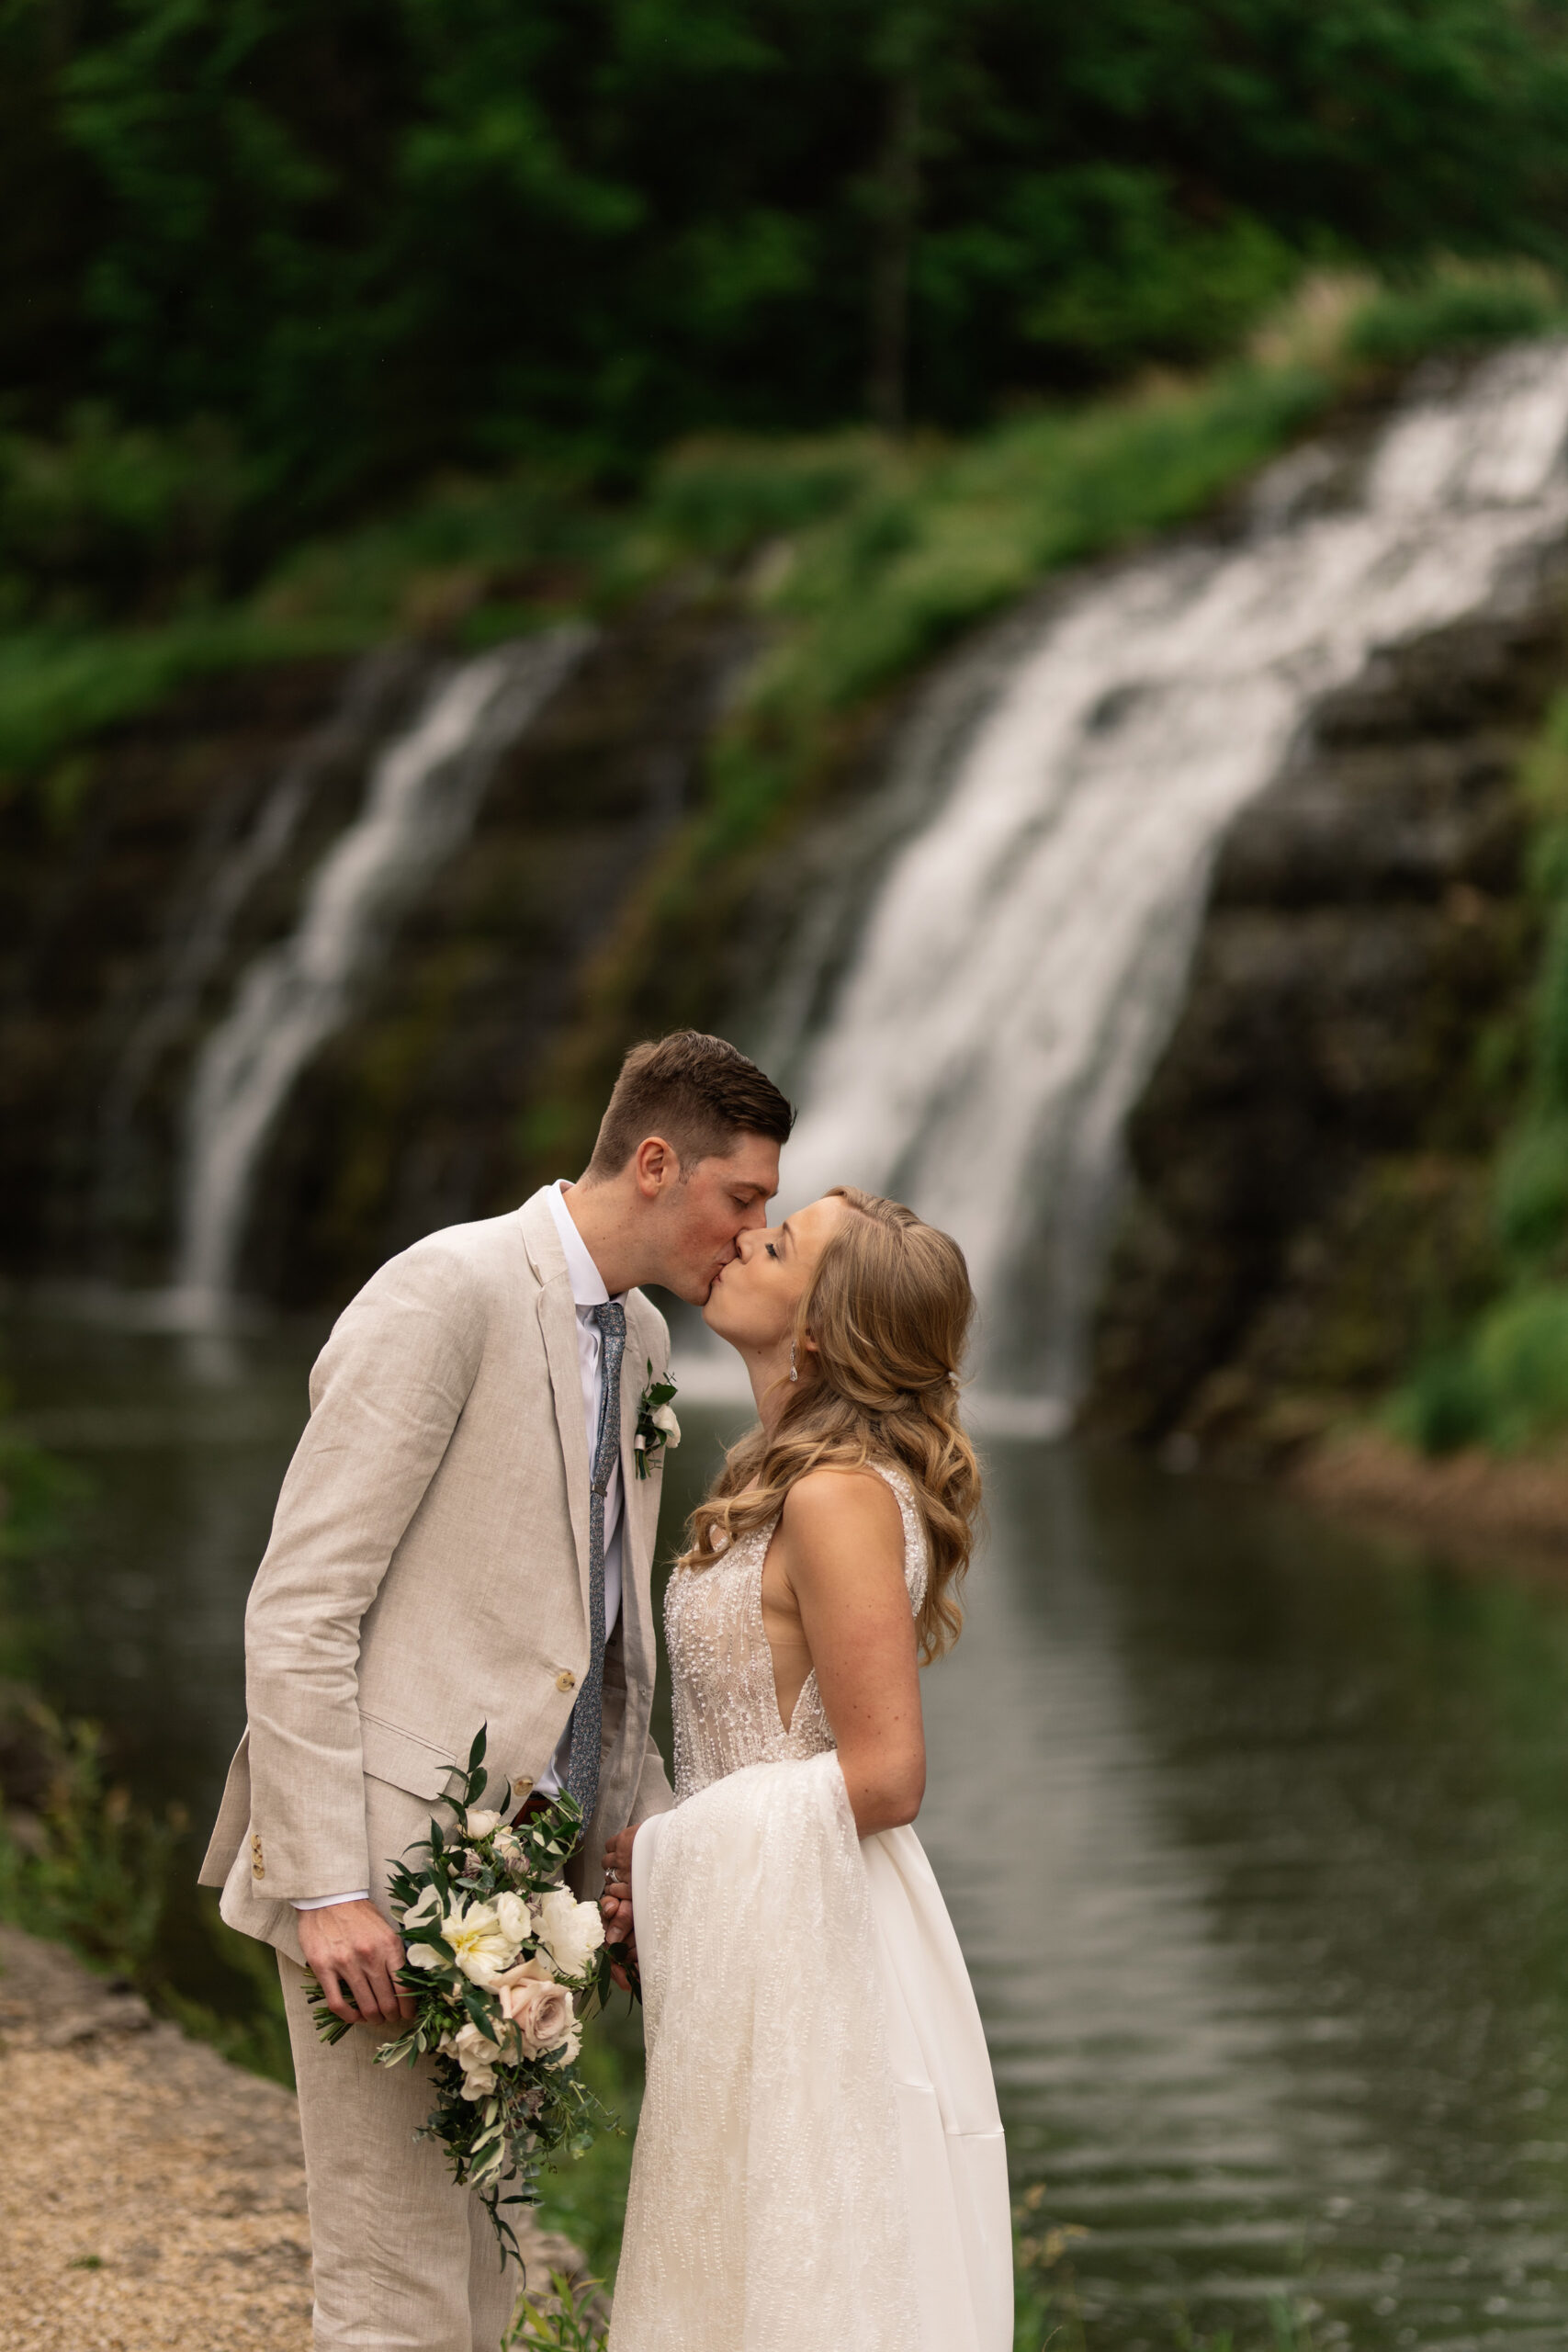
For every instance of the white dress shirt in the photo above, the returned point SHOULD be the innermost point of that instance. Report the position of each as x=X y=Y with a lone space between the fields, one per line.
x=588 y=1290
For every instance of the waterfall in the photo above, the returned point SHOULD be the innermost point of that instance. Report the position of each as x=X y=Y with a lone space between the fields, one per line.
x=232 y=864
x=423 y=794
x=1021 y=961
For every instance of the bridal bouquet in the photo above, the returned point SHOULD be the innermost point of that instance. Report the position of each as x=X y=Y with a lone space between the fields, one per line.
x=499 y=1954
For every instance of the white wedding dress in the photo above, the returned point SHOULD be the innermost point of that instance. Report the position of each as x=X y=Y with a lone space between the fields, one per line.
x=820 y=2163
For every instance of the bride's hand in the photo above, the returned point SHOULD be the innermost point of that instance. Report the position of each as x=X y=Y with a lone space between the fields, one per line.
x=616 y=1903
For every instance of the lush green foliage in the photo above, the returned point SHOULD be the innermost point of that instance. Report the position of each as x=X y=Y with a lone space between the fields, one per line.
x=115 y=547
x=87 y=1867
x=564 y=2317
x=59 y=687
x=36 y=1491
x=101 y=519
x=1455 y=311
x=358 y=240
x=1048 y=2310
x=1504 y=1383
x=875 y=553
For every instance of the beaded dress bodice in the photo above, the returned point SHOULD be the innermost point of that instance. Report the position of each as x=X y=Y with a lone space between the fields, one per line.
x=725 y=1703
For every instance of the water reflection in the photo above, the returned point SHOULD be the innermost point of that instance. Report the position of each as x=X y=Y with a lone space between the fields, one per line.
x=1253 y=1831
x=1274 y=1974
x=138 y=1621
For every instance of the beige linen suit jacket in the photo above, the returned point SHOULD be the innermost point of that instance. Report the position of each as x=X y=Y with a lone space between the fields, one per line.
x=428 y=1573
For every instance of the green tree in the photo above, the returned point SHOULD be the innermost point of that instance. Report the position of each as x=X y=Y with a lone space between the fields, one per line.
x=375 y=238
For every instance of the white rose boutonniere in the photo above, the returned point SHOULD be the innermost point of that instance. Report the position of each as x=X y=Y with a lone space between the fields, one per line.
x=655 y=1422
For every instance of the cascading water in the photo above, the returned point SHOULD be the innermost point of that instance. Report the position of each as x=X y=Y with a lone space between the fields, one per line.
x=204 y=917
x=1022 y=963
x=423 y=794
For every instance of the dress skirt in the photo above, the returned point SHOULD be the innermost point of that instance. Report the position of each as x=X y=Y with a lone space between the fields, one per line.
x=955 y=2174
x=819 y=2165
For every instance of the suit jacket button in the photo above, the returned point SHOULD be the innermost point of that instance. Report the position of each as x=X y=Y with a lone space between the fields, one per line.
x=566 y=1679
x=258 y=1867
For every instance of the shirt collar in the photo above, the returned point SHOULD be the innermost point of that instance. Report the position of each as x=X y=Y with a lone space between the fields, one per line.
x=587 y=1283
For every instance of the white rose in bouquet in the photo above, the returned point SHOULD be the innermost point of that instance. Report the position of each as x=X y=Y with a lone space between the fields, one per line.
x=425 y=1912
x=477 y=1823
x=479 y=1943
x=540 y=2013
x=570 y=1931
x=507 y=1848
x=511 y=1913
x=478 y=2058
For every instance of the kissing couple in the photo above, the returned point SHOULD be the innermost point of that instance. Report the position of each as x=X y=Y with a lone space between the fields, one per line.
x=466 y=1536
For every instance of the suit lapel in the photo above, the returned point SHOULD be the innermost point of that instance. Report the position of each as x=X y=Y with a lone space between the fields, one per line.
x=557 y=1321
x=558 y=1327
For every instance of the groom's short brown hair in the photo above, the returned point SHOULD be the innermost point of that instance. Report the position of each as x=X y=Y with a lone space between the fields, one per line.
x=698 y=1092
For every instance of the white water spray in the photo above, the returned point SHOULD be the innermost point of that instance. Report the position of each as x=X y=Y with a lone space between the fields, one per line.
x=1023 y=963
x=423 y=795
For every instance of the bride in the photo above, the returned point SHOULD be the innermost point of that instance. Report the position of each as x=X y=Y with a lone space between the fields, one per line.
x=819 y=2165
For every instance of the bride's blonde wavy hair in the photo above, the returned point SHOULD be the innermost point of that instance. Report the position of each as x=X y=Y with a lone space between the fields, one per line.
x=888 y=1311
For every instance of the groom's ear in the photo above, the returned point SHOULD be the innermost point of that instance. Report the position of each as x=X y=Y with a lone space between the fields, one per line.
x=656 y=1166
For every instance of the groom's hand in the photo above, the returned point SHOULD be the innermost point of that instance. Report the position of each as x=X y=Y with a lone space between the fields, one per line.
x=355 y=1956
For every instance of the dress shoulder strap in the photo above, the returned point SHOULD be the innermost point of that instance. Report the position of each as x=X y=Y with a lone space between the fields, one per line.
x=916 y=1543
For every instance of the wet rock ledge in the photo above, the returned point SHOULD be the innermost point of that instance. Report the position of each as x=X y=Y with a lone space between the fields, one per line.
x=1309 y=1203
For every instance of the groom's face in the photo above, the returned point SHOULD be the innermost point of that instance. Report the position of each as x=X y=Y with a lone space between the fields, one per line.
x=711 y=1208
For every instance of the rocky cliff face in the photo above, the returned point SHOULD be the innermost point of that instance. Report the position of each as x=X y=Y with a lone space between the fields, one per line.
x=102 y=999
x=1309 y=1163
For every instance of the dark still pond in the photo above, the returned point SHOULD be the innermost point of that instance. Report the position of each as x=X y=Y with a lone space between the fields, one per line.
x=1255 y=1834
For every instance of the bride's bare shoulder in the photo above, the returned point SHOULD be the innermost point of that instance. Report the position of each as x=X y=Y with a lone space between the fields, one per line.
x=836 y=1504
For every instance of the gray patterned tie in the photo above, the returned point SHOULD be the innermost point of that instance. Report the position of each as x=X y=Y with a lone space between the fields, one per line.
x=587 y=1716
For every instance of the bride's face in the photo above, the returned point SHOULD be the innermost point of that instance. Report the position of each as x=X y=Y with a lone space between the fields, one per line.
x=753 y=1301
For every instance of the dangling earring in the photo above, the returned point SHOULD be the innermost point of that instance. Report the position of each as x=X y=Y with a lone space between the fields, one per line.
x=794 y=1369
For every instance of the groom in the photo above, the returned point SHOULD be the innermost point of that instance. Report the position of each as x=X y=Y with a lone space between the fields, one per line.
x=462 y=1538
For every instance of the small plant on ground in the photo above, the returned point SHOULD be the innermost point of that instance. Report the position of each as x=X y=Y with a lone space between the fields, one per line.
x=1048 y=2316
x=569 y=2319
x=88 y=1866
x=83 y=1864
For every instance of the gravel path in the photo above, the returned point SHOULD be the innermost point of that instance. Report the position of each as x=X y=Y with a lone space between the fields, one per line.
x=151 y=2194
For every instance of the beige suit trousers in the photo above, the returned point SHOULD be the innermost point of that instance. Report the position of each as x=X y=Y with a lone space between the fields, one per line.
x=405 y=2260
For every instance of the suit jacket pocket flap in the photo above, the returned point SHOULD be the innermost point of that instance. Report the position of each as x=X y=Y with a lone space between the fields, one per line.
x=403 y=1759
